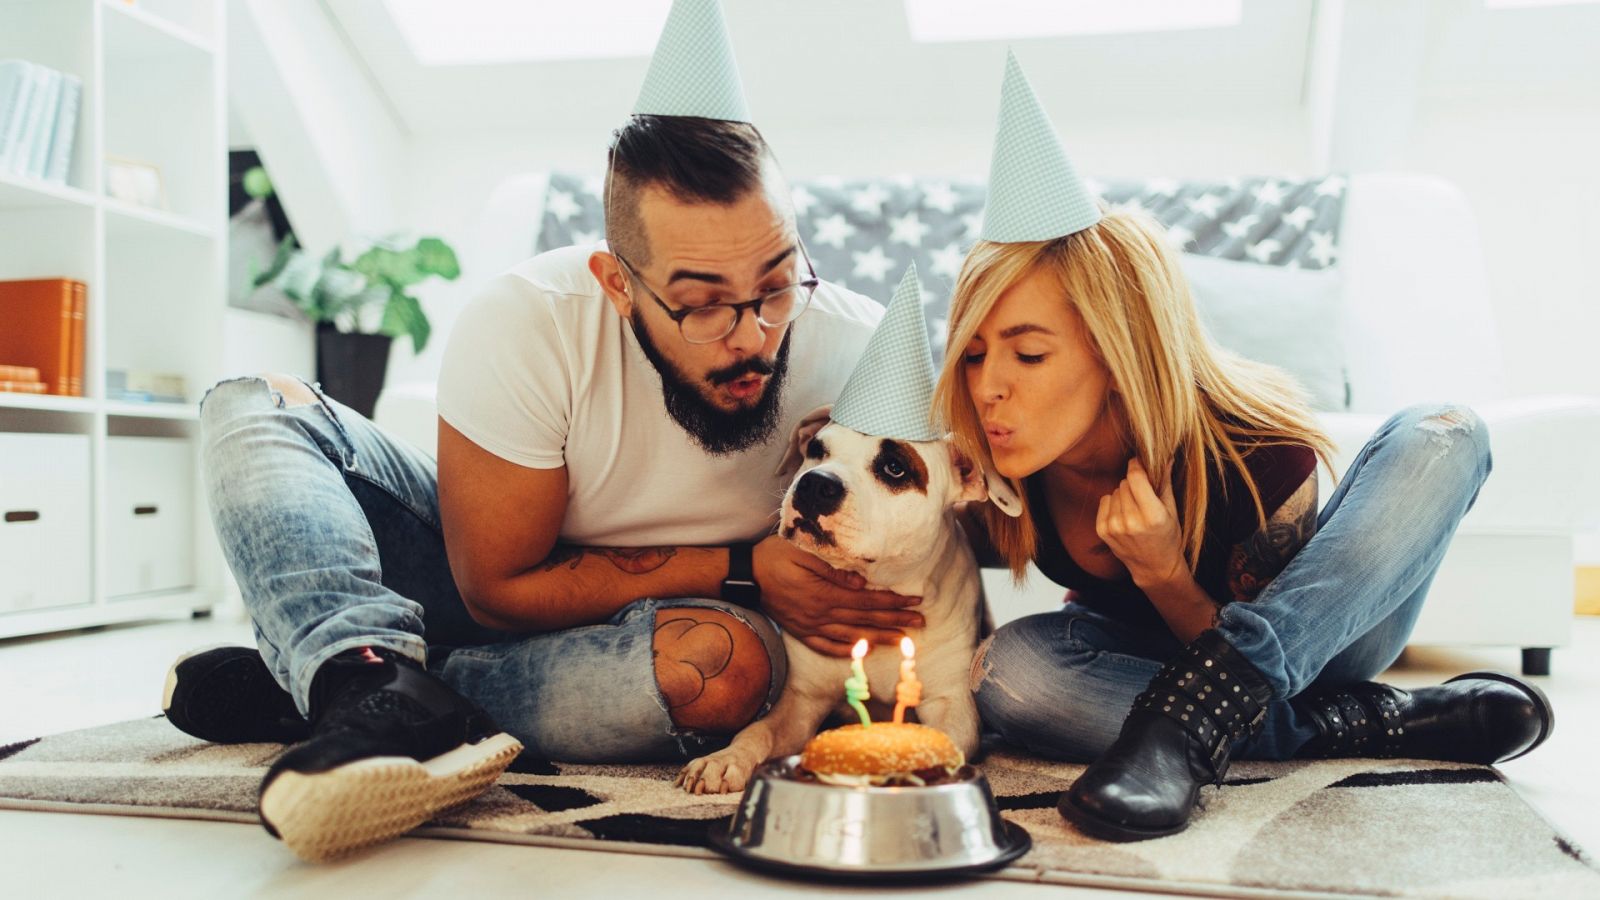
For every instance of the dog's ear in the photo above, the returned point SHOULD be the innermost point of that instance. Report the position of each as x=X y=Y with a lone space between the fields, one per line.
x=977 y=485
x=1002 y=495
x=803 y=433
x=970 y=486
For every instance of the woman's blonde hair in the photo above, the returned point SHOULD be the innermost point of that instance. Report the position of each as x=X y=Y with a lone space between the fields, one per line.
x=1179 y=392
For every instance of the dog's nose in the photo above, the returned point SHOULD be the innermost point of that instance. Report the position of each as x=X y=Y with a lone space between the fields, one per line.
x=818 y=494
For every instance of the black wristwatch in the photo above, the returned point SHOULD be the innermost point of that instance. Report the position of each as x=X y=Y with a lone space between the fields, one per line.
x=740 y=587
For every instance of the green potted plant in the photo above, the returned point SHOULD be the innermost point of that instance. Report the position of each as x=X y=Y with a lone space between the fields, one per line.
x=360 y=306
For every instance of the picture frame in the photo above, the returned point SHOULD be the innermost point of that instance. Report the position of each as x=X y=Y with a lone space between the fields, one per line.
x=135 y=181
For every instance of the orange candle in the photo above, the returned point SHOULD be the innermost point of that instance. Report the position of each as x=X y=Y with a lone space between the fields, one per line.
x=908 y=692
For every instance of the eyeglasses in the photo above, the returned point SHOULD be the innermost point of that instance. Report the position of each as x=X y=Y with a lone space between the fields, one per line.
x=713 y=322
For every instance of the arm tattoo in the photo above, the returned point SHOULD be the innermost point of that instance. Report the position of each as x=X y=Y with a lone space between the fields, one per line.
x=1260 y=557
x=559 y=554
x=632 y=560
x=638 y=560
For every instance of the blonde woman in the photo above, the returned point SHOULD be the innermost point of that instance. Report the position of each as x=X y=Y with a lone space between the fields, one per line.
x=1172 y=487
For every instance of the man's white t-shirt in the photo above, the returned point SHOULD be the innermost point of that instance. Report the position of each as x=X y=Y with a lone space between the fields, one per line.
x=541 y=371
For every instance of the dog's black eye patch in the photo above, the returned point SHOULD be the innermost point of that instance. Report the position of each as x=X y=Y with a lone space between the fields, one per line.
x=900 y=468
x=815 y=449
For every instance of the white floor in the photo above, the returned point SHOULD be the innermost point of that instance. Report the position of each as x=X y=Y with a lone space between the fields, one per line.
x=88 y=678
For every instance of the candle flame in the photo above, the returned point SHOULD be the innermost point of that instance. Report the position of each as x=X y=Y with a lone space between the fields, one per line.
x=907 y=649
x=860 y=649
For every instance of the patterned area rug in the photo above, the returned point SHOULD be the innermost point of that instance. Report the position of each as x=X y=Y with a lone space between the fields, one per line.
x=1345 y=827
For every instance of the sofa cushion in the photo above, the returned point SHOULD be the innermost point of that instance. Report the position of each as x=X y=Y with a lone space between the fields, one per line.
x=1289 y=318
x=1542 y=481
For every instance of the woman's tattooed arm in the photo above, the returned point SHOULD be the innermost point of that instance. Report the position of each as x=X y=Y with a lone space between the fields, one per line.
x=1259 y=558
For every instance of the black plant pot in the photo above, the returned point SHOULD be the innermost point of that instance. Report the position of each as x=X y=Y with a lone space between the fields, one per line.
x=351 y=366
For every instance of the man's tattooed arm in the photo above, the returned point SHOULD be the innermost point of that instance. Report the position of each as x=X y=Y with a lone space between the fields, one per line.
x=577 y=585
x=1259 y=558
x=632 y=560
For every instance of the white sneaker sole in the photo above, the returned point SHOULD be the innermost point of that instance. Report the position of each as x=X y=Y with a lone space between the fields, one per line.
x=328 y=814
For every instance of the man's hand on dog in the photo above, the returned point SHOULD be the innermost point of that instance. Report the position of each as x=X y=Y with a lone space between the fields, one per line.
x=825 y=608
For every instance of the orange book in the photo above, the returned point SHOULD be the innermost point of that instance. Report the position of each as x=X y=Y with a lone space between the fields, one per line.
x=18 y=373
x=75 y=358
x=22 y=387
x=36 y=328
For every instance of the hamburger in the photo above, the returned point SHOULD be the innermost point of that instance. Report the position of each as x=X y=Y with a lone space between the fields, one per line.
x=886 y=754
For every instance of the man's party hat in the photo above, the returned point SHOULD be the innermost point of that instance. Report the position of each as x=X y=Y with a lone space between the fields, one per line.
x=890 y=393
x=692 y=72
x=1034 y=192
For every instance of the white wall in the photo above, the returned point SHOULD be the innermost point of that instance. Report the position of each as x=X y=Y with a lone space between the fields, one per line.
x=323 y=128
x=1529 y=167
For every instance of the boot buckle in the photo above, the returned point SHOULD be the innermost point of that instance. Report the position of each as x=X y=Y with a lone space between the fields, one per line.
x=1219 y=755
x=1257 y=719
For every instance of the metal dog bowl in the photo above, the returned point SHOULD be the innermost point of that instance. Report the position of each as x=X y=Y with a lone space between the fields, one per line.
x=797 y=826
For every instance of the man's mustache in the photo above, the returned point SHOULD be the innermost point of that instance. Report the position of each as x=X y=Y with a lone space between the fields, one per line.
x=755 y=365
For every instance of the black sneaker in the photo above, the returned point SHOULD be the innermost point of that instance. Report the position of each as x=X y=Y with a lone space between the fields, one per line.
x=226 y=695
x=390 y=747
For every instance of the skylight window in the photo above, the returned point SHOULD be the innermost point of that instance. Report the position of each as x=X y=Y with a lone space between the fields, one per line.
x=1519 y=4
x=936 y=21
x=480 y=32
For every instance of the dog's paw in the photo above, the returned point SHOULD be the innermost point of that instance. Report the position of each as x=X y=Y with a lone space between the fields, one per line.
x=719 y=773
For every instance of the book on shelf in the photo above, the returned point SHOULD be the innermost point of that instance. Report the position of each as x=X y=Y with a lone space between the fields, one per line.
x=38 y=120
x=16 y=91
x=80 y=300
x=44 y=322
x=18 y=373
x=64 y=131
x=142 y=386
x=21 y=387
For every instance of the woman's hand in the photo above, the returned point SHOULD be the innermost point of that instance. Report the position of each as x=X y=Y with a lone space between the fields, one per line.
x=1140 y=525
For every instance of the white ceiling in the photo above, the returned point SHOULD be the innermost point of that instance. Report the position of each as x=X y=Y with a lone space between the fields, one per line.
x=847 y=61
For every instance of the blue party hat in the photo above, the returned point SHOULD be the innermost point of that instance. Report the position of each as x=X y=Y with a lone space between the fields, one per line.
x=692 y=72
x=890 y=392
x=1035 y=194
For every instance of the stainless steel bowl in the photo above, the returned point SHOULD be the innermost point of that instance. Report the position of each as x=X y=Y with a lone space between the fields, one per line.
x=804 y=827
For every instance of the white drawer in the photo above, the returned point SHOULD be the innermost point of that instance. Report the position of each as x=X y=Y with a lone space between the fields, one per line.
x=45 y=558
x=149 y=515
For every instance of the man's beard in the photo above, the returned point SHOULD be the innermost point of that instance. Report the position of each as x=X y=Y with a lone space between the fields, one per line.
x=717 y=431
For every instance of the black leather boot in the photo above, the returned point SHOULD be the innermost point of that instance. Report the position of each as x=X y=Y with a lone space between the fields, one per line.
x=1479 y=717
x=1177 y=738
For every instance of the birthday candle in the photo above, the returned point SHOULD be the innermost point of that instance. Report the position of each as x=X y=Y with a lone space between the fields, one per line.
x=908 y=692
x=855 y=687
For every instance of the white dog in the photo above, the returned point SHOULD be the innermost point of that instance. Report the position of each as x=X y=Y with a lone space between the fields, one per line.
x=886 y=509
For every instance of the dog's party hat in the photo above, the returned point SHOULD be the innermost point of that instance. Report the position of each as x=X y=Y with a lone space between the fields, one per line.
x=1035 y=194
x=692 y=72
x=890 y=393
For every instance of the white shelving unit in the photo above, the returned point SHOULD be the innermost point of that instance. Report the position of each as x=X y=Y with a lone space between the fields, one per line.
x=153 y=90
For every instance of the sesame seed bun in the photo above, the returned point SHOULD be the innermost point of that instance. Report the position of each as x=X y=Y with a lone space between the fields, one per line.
x=885 y=748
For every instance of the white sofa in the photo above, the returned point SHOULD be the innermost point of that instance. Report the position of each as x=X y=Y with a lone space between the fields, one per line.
x=1418 y=327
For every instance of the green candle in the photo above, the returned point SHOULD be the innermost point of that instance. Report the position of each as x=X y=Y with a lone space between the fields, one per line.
x=855 y=687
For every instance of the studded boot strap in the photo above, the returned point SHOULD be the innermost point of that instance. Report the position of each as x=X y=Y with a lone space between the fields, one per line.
x=1355 y=720
x=1213 y=693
